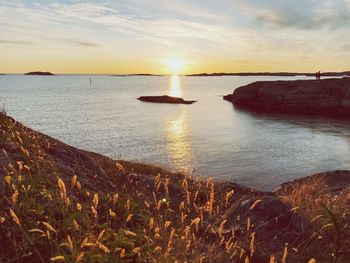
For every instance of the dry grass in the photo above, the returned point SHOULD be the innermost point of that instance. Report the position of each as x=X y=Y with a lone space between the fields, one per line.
x=50 y=215
x=328 y=234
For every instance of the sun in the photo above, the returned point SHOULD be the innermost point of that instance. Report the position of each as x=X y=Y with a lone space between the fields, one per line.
x=175 y=64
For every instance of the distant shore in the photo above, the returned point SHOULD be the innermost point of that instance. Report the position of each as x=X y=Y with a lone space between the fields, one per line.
x=282 y=74
x=204 y=74
x=138 y=74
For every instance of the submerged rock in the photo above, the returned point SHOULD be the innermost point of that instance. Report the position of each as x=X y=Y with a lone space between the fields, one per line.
x=329 y=97
x=165 y=99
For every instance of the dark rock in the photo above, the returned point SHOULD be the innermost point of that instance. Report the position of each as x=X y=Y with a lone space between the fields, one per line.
x=39 y=73
x=228 y=97
x=266 y=213
x=241 y=189
x=333 y=182
x=329 y=97
x=273 y=222
x=165 y=99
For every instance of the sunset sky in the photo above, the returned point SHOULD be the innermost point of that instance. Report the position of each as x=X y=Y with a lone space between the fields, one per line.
x=145 y=36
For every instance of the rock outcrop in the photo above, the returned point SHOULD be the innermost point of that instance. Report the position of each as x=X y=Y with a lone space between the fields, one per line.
x=333 y=182
x=165 y=99
x=329 y=97
x=228 y=97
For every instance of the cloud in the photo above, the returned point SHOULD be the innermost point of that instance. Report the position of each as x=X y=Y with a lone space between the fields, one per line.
x=306 y=15
x=148 y=30
x=14 y=42
x=38 y=27
x=347 y=2
x=305 y=22
x=87 y=44
x=162 y=28
x=27 y=43
x=346 y=47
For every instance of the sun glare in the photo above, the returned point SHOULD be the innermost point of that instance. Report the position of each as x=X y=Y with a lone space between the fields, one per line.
x=175 y=86
x=175 y=64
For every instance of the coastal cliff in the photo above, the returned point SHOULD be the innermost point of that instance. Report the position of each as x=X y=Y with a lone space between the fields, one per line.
x=60 y=203
x=329 y=97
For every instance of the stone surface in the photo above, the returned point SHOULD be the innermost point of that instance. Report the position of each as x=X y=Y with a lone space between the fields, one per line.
x=329 y=97
x=165 y=99
x=228 y=97
x=333 y=182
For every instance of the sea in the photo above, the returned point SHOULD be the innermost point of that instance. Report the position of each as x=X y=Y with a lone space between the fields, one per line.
x=210 y=138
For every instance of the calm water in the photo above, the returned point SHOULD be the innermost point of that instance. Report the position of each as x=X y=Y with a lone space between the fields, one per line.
x=210 y=137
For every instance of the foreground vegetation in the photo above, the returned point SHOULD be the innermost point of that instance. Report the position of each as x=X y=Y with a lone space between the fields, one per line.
x=63 y=204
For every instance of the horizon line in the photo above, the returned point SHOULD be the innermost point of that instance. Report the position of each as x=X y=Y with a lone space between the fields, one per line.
x=188 y=74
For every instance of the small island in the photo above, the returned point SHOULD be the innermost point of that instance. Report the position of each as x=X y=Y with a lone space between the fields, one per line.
x=328 y=97
x=165 y=99
x=39 y=73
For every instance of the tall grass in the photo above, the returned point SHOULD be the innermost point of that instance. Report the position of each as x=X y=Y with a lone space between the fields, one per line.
x=51 y=215
x=328 y=233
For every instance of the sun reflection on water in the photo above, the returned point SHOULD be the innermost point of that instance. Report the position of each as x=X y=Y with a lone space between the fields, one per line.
x=179 y=147
x=175 y=86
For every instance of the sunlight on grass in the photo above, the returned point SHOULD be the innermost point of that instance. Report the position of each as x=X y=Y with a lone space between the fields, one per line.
x=53 y=215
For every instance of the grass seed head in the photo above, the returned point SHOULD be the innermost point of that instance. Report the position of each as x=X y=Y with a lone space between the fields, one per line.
x=15 y=217
x=57 y=258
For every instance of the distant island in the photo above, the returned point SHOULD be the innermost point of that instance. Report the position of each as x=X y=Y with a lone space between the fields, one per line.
x=39 y=73
x=282 y=74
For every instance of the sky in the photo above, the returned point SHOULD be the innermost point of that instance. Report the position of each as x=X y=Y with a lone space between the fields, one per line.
x=160 y=37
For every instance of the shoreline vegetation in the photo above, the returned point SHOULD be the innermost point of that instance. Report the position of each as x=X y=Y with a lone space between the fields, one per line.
x=60 y=203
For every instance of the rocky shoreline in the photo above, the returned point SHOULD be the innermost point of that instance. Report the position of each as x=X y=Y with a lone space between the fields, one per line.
x=275 y=218
x=328 y=97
